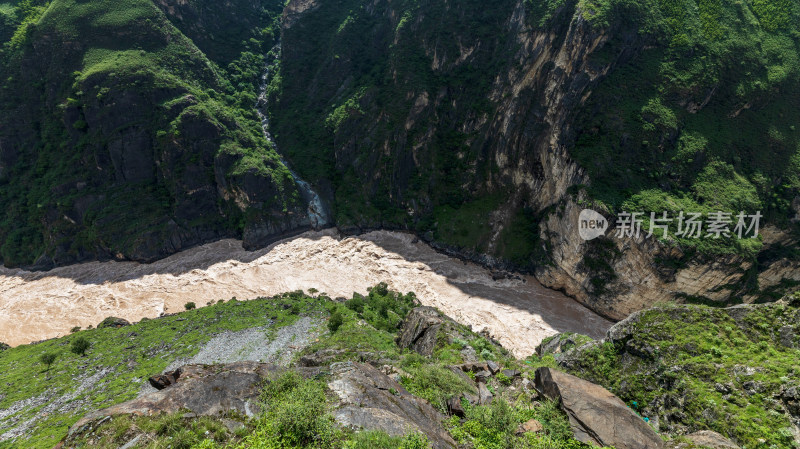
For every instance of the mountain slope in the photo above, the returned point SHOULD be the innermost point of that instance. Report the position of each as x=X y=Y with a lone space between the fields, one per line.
x=121 y=138
x=487 y=127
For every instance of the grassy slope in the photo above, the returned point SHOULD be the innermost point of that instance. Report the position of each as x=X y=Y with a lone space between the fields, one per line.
x=123 y=358
x=692 y=367
x=368 y=326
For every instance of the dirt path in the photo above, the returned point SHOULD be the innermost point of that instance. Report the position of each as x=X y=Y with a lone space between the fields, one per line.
x=517 y=312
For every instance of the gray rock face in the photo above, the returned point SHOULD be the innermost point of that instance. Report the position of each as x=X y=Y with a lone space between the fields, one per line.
x=595 y=415
x=113 y=322
x=319 y=358
x=368 y=399
x=484 y=395
x=419 y=330
x=713 y=440
x=204 y=390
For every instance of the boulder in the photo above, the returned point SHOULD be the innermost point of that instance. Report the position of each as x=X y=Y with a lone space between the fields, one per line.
x=370 y=400
x=475 y=367
x=713 y=440
x=460 y=373
x=511 y=373
x=113 y=322
x=484 y=395
x=419 y=330
x=320 y=358
x=4 y=346
x=705 y=439
x=483 y=376
x=493 y=367
x=161 y=381
x=530 y=426
x=595 y=415
x=455 y=407
x=791 y=400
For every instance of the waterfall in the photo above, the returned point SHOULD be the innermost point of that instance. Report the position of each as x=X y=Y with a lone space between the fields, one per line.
x=317 y=213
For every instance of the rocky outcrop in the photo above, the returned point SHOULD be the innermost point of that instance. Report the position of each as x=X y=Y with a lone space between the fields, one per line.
x=367 y=398
x=204 y=390
x=503 y=134
x=705 y=439
x=595 y=415
x=659 y=359
x=114 y=322
x=559 y=344
x=420 y=329
x=637 y=277
x=370 y=400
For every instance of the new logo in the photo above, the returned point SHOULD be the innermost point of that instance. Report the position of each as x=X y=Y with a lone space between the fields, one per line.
x=591 y=224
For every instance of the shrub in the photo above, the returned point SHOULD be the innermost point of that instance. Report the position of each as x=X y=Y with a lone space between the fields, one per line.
x=48 y=358
x=80 y=345
x=503 y=379
x=383 y=309
x=372 y=439
x=75 y=329
x=433 y=382
x=190 y=306
x=356 y=304
x=335 y=321
x=298 y=410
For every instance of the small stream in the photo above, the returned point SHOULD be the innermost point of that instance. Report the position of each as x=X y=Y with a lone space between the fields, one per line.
x=318 y=214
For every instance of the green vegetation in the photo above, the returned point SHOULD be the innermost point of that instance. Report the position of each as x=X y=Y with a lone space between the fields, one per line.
x=335 y=321
x=121 y=360
x=382 y=308
x=700 y=121
x=65 y=192
x=80 y=345
x=47 y=359
x=494 y=426
x=704 y=368
x=297 y=410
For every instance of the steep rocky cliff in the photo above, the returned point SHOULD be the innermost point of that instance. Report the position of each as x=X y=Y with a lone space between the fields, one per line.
x=121 y=138
x=488 y=127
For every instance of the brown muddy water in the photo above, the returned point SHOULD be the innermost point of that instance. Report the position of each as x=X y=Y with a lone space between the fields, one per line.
x=518 y=312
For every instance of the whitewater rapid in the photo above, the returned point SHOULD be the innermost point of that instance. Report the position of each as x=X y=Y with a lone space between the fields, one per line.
x=517 y=311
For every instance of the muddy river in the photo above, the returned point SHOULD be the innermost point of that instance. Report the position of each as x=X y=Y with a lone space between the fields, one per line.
x=518 y=312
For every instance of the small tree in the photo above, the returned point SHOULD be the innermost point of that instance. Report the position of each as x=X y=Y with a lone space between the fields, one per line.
x=80 y=345
x=190 y=306
x=48 y=359
x=335 y=321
